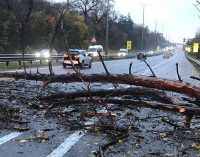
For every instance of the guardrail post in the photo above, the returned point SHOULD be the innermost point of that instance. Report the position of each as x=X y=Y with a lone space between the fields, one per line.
x=40 y=61
x=7 y=63
x=20 y=63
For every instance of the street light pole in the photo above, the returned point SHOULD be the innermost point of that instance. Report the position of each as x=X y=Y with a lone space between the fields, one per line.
x=155 y=32
x=67 y=5
x=107 y=28
x=143 y=25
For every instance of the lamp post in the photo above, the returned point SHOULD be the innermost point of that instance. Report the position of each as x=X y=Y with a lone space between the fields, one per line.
x=143 y=25
x=67 y=5
x=107 y=28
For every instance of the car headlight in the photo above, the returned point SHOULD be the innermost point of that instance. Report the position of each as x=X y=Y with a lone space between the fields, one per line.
x=46 y=54
x=76 y=57
x=95 y=54
x=119 y=54
x=37 y=54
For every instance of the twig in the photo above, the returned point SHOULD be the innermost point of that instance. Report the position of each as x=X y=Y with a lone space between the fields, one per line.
x=188 y=119
x=115 y=140
x=103 y=63
x=153 y=74
x=101 y=153
x=130 y=67
x=105 y=68
x=195 y=78
x=170 y=123
x=177 y=71
x=176 y=108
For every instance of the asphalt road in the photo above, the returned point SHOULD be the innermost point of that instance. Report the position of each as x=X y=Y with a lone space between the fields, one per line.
x=72 y=144
x=163 y=68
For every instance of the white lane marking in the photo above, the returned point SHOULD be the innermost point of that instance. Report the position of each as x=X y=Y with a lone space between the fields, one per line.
x=62 y=149
x=11 y=71
x=9 y=137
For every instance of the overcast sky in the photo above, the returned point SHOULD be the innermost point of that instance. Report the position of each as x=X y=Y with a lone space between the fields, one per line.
x=175 y=18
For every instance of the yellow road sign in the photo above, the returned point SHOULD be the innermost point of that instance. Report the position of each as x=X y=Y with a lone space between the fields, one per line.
x=129 y=45
x=195 y=47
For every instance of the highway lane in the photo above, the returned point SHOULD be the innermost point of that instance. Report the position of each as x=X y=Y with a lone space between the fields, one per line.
x=164 y=68
x=85 y=144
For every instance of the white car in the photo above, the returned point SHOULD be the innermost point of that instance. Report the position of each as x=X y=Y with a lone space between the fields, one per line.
x=93 y=50
x=122 y=52
x=150 y=53
x=78 y=58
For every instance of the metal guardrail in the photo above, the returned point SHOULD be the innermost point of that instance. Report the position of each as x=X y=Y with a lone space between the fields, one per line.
x=190 y=58
x=7 y=58
x=26 y=57
x=32 y=57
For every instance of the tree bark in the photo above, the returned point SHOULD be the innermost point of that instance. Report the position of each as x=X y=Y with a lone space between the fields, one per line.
x=137 y=91
x=145 y=81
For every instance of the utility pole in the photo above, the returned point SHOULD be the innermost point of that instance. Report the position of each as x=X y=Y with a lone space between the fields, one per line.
x=156 y=35
x=107 y=28
x=68 y=5
x=143 y=25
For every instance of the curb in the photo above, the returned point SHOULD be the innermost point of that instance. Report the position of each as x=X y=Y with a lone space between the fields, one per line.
x=192 y=59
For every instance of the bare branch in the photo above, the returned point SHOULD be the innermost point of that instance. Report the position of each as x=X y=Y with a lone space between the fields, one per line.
x=153 y=74
x=177 y=71
x=195 y=78
x=130 y=67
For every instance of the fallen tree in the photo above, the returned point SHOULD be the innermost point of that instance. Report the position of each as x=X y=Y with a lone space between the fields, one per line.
x=136 y=92
x=145 y=81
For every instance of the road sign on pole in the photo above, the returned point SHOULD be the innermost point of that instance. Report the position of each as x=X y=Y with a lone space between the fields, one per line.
x=93 y=40
x=129 y=45
x=195 y=47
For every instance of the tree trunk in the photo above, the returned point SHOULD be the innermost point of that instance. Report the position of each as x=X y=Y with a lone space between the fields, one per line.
x=145 y=81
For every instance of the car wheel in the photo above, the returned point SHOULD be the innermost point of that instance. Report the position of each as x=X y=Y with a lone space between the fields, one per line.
x=90 y=65
x=64 y=65
x=82 y=64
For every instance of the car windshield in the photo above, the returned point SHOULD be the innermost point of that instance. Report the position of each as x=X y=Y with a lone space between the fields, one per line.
x=77 y=52
x=74 y=52
x=123 y=50
x=92 y=49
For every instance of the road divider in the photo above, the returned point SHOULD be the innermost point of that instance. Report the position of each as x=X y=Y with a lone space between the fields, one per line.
x=192 y=59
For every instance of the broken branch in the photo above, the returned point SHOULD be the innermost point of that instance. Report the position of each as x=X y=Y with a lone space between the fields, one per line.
x=145 y=81
x=177 y=71
x=117 y=92
x=130 y=67
x=181 y=109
